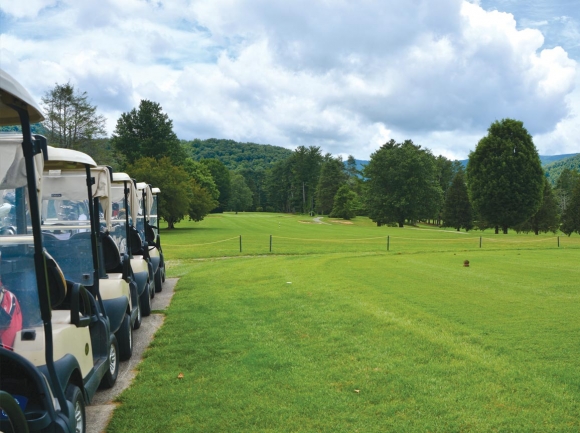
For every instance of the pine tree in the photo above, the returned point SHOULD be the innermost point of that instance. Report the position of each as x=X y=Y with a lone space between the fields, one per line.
x=457 y=209
x=571 y=217
x=546 y=219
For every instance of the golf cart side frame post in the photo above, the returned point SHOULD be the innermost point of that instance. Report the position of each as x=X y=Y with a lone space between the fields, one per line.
x=30 y=150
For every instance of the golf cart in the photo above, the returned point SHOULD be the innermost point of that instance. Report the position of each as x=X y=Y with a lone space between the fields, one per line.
x=148 y=243
x=155 y=232
x=55 y=340
x=121 y=222
x=74 y=192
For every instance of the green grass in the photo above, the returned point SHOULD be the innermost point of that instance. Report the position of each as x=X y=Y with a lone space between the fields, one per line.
x=333 y=337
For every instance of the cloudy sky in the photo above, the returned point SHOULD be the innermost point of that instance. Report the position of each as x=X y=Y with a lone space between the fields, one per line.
x=343 y=75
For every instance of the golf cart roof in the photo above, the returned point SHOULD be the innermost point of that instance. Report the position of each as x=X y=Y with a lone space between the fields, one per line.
x=141 y=185
x=155 y=190
x=78 y=159
x=121 y=177
x=12 y=93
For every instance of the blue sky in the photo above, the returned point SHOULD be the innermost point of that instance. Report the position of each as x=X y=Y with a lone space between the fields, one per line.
x=341 y=75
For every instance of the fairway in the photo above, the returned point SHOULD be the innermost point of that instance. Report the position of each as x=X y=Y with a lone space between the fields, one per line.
x=332 y=332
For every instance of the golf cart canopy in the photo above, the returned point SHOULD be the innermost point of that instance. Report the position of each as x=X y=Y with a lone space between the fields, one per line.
x=12 y=165
x=155 y=191
x=12 y=93
x=75 y=159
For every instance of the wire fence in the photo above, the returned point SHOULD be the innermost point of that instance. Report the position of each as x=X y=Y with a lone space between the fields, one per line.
x=274 y=244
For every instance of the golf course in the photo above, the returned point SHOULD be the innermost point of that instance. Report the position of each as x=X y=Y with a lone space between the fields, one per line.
x=291 y=323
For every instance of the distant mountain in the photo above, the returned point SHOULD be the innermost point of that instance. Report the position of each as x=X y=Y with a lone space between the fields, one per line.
x=234 y=155
x=554 y=169
x=544 y=159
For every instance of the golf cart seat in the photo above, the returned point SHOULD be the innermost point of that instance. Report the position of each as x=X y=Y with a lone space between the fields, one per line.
x=111 y=254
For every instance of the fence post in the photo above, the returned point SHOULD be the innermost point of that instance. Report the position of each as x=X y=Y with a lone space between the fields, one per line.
x=388 y=242
x=558 y=241
x=480 y=242
x=270 y=243
x=240 y=243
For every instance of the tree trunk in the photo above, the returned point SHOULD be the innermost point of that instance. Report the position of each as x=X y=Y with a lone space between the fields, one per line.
x=378 y=224
x=170 y=224
x=401 y=223
x=496 y=230
x=505 y=230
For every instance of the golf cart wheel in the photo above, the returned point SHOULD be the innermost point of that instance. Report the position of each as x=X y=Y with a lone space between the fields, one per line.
x=139 y=318
x=110 y=376
x=125 y=339
x=163 y=274
x=158 y=281
x=145 y=301
x=75 y=396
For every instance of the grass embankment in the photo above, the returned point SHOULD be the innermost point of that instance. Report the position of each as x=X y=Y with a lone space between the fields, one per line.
x=363 y=340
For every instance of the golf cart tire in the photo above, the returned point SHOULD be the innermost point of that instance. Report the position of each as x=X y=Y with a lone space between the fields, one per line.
x=110 y=377
x=158 y=281
x=139 y=318
x=125 y=339
x=145 y=301
x=75 y=396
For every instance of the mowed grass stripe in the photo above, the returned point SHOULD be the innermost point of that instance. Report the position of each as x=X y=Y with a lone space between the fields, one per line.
x=428 y=344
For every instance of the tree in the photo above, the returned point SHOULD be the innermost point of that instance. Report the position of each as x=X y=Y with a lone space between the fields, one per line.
x=240 y=194
x=279 y=186
x=71 y=120
x=505 y=175
x=305 y=168
x=546 y=219
x=332 y=177
x=202 y=175
x=446 y=171
x=457 y=209
x=344 y=203
x=402 y=183
x=571 y=217
x=564 y=187
x=147 y=132
x=221 y=177
x=174 y=182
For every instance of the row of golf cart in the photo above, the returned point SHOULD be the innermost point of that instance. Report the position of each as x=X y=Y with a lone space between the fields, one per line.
x=80 y=261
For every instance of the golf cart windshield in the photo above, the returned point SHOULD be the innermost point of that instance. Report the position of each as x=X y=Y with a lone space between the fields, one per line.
x=17 y=271
x=120 y=208
x=153 y=221
x=66 y=223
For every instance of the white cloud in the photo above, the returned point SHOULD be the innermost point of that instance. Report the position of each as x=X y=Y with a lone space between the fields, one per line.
x=340 y=75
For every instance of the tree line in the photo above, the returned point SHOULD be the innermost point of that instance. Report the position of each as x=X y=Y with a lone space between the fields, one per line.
x=503 y=185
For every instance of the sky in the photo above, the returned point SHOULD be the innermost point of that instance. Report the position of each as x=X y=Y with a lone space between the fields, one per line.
x=345 y=76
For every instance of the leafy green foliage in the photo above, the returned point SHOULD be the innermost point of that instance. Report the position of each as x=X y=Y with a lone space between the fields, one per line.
x=402 y=183
x=71 y=120
x=202 y=175
x=505 y=176
x=241 y=194
x=546 y=219
x=147 y=132
x=332 y=177
x=564 y=187
x=571 y=216
x=174 y=183
x=221 y=177
x=457 y=209
x=345 y=203
x=236 y=156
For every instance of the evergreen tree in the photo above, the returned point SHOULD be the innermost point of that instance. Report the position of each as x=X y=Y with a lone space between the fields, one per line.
x=332 y=177
x=546 y=219
x=564 y=187
x=221 y=177
x=344 y=203
x=147 y=132
x=457 y=209
x=571 y=217
x=71 y=120
x=505 y=176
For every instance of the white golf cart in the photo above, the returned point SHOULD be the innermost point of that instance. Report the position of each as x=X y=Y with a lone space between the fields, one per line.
x=149 y=244
x=121 y=222
x=55 y=338
x=155 y=239
x=74 y=192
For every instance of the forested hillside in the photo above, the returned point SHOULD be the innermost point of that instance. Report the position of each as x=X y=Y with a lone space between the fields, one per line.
x=554 y=169
x=236 y=156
